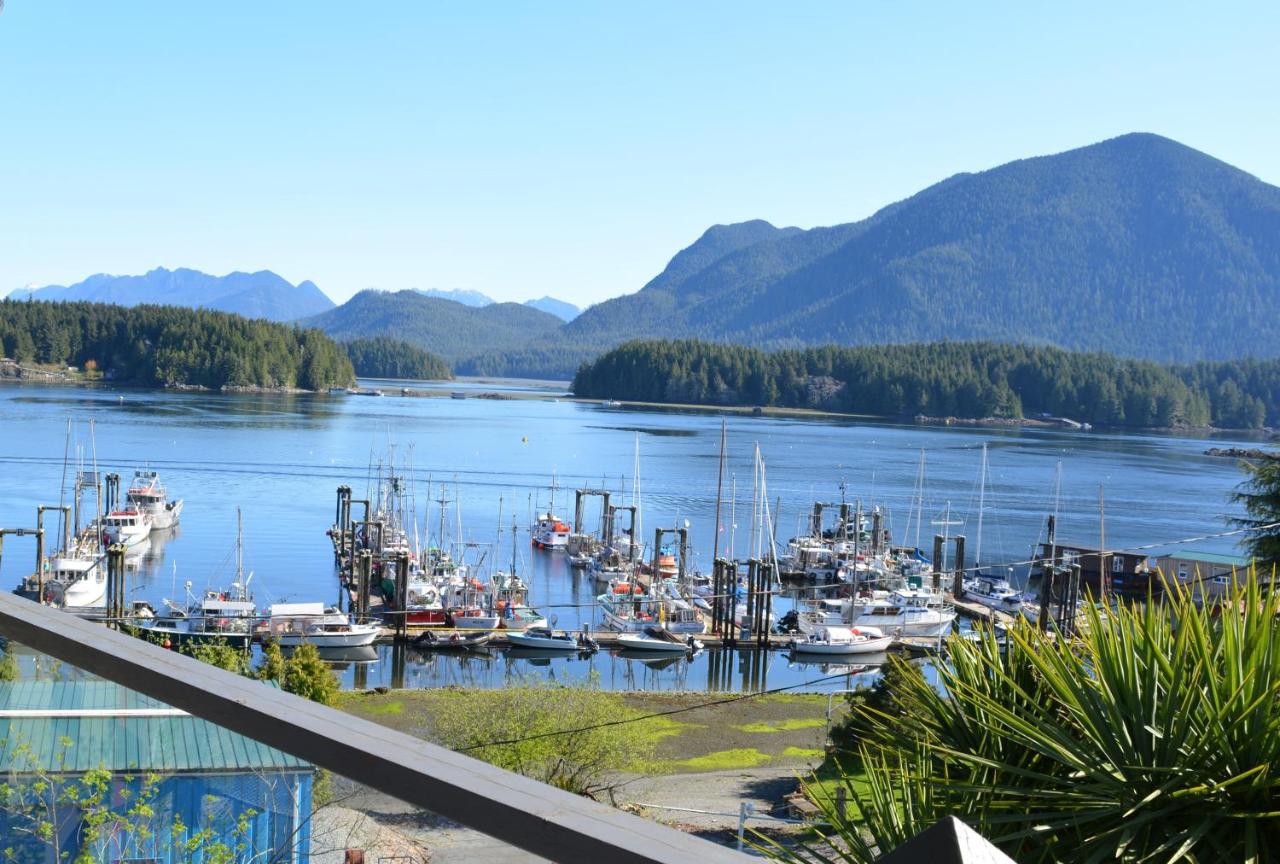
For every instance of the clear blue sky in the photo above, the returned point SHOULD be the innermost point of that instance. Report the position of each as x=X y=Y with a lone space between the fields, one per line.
x=560 y=148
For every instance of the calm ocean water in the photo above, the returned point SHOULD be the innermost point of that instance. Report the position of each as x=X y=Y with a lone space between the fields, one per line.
x=279 y=458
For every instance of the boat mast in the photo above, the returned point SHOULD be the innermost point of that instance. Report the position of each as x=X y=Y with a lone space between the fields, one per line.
x=755 y=503
x=239 y=547
x=919 y=497
x=733 y=517
x=982 y=501
x=715 y=540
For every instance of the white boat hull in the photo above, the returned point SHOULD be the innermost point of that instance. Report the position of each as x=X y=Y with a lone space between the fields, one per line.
x=523 y=640
x=358 y=637
x=166 y=515
x=877 y=645
x=637 y=642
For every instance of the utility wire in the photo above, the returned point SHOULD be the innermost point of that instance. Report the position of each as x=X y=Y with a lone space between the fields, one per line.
x=611 y=723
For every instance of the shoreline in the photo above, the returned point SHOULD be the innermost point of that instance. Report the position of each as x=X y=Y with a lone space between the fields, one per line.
x=45 y=377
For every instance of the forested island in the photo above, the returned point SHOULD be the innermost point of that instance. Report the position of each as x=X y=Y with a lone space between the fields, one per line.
x=384 y=357
x=943 y=379
x=171 y=346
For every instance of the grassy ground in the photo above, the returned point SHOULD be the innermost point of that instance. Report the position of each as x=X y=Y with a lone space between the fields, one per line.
x=782 y=731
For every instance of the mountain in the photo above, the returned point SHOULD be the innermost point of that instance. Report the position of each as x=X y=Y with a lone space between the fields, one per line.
x=458 y=295
x=254 y=295
x=1138 y=245
x=444 y=327
x=559 y=308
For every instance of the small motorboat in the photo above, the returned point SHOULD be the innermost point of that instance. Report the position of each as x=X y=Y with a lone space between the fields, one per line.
x=658 y=639
x=433 y=641
x=843 y=640
x=554 y=640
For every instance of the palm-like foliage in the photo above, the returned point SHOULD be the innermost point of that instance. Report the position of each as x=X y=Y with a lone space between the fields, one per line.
x=1152 y=736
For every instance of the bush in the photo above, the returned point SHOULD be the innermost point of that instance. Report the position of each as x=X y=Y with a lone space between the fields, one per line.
x=581 y=760
x=1153 y=735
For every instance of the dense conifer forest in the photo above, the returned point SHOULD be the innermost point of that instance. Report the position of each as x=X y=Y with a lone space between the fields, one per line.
x=383 y=357
x=960 y=379
x=171 y=346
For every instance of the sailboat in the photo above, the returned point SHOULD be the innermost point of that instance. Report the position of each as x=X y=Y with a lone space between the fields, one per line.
x=990 y=590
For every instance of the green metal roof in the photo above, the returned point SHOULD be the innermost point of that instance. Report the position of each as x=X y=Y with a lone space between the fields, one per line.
x=118 y=729
x=1208 y=557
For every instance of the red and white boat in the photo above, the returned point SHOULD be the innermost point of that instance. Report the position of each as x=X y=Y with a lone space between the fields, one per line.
x=130 y=526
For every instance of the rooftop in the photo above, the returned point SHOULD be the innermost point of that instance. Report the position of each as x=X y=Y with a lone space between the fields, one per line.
x=112 y=727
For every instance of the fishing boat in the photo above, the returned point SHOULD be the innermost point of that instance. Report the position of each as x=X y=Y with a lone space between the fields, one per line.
x=843 y=640
x=129 y=526
x=219 y=616
x=549 y=531
x=546 y=639
x=224 y=616
x=77 y=580
x=147 y=494
x=659 y=639
x=292 y=624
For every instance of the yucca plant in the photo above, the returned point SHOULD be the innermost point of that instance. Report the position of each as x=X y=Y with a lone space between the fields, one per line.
x=1151 y=736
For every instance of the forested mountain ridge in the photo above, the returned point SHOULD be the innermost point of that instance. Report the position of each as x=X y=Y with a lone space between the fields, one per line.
x=172 y=346
x=254 y=295
x=961 y=379
x=444 y=327
x=1139 y=246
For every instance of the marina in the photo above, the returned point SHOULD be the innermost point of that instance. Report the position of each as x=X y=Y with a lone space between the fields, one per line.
x=477 y=573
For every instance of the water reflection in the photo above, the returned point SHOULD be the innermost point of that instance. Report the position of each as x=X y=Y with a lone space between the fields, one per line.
x=716 y=669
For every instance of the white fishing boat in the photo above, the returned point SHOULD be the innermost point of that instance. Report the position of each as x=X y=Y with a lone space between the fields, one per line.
x=549 y=531
x=547 y=639
x=147 y=494
x=129 y=526
x=76 y=581
x=629 y=608
x=219 y=616
x=292 y=624
x=659 y=640
x=843 y=640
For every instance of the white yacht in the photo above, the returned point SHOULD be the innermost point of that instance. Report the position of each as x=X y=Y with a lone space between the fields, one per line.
x=147 y=494
x=292 y=624
x=993 y=592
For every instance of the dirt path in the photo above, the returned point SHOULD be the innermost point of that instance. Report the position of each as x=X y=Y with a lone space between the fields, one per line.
x=708 y=757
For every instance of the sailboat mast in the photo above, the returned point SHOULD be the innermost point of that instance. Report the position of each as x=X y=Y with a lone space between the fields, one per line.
x=715 y=540
x=919 y=497
x=239 y=547
x=755 y=502
x=733 y=517
x=982 y=502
